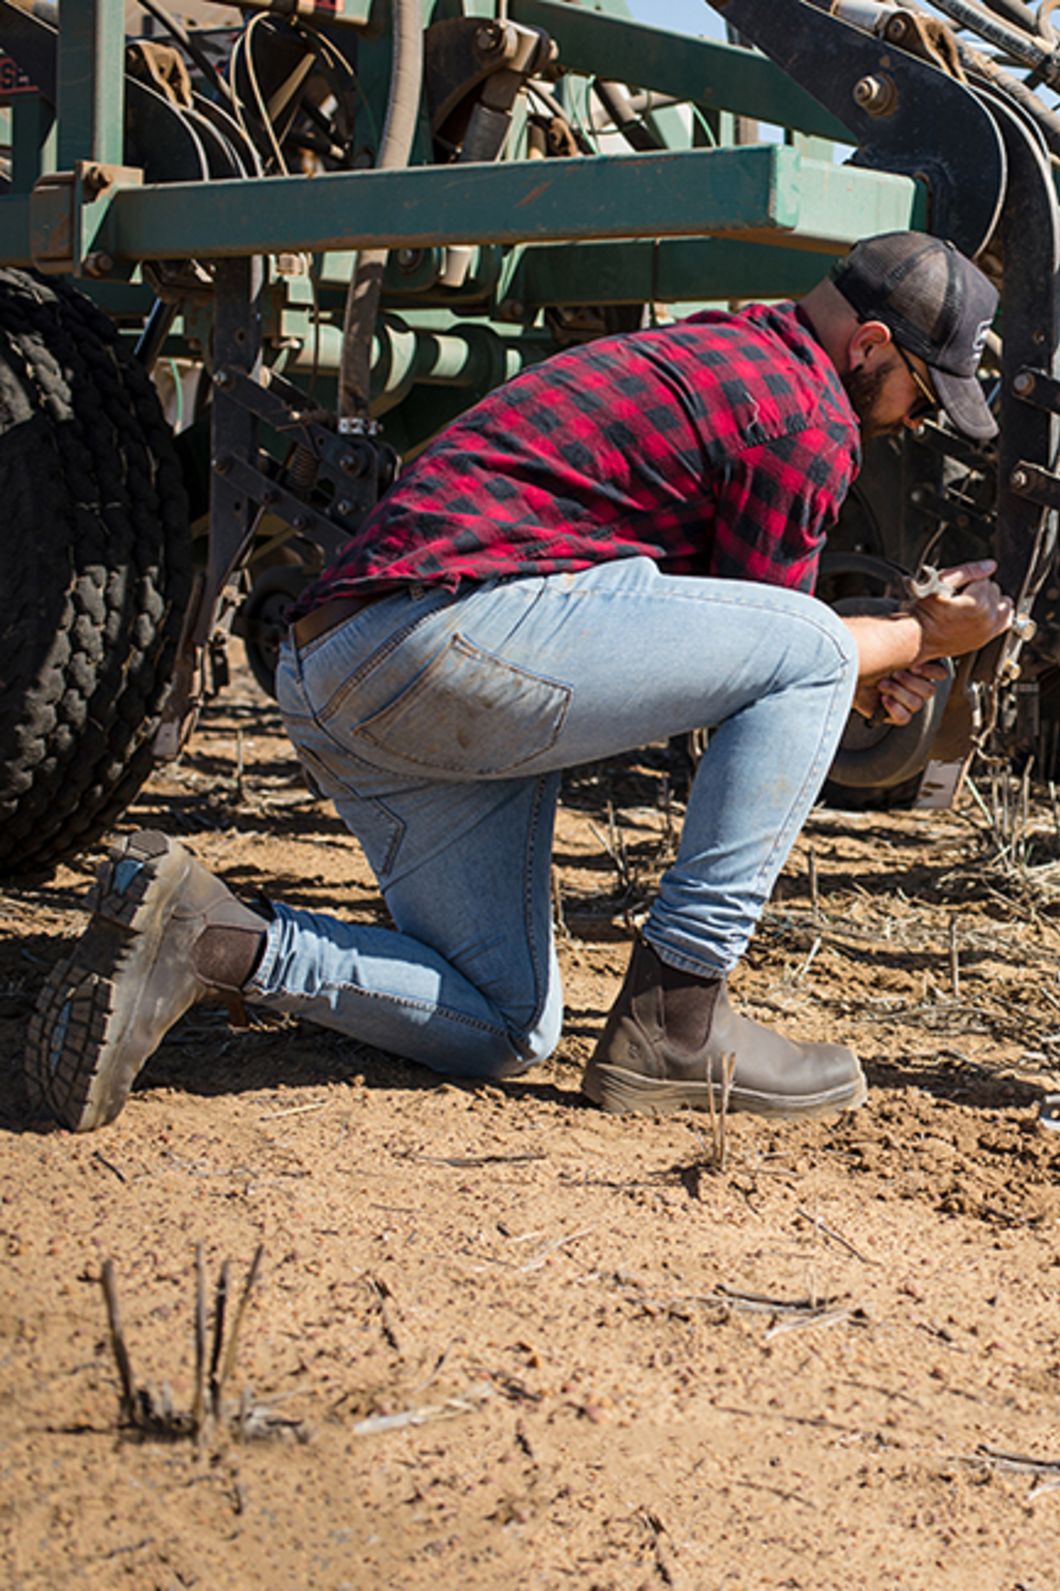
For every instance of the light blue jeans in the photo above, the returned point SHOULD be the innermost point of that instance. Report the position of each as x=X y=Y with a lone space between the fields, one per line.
x=438 y=725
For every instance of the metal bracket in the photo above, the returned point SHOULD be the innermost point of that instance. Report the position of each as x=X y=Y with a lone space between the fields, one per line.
x=346 y=472
x=1037 y=387
x=470 y=63
x=905 y=114
x=66 y=210
x=319 y=529
x=354 y=468
x=1036 y=484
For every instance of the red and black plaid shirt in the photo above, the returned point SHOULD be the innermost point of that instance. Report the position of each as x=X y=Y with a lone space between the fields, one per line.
x=721 y=445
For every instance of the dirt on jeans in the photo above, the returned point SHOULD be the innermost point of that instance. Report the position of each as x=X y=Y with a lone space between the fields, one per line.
x=501 y=1339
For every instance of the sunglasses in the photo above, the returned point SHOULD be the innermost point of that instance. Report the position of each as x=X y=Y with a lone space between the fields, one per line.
x=927 y=403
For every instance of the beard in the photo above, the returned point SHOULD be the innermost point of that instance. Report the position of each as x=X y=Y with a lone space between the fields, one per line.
x=863 y=389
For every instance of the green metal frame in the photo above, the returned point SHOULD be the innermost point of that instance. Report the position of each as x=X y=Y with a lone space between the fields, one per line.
x=762 y=193
x=91 y=82
x=714 y=76
x=685 y=226
x=756 y=194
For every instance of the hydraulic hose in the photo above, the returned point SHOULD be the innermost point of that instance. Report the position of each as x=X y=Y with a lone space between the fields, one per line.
x=395 y=148
x=1015 y=12
x=976 y=62
x=188 y=44
x=617 y=103
x=1048 y=121
x=1031 y=52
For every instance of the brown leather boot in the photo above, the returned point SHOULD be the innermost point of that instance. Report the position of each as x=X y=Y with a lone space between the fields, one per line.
x=164 y=933
x=665 y=1042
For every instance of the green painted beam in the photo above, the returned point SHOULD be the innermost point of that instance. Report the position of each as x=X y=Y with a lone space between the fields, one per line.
x=32 y=140
x=767 y=194
x=674 y=271
x=718 y=76
x=596 y=196
x=827 y=191
x=91 y=82
x=836 y=208
x=14 y=230
x=763 y=192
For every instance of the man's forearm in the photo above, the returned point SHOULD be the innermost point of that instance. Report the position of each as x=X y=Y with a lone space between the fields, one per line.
x=885 y=642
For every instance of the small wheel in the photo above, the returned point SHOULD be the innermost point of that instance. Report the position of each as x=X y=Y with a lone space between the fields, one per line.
x=879 y=764
x=881 y=756
x=262 y=619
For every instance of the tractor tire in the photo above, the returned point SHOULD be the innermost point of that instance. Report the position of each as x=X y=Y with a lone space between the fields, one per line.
x=95 y=572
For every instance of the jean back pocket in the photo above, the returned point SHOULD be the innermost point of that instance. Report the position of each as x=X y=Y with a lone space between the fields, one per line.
x=468 y=712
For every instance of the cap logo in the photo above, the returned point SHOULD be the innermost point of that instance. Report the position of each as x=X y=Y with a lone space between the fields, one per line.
x=979 y=340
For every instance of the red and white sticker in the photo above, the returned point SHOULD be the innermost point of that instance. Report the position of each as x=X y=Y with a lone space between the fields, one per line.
x=13 y=80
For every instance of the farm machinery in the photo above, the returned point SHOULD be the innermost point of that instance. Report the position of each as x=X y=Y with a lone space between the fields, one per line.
x=254 y=260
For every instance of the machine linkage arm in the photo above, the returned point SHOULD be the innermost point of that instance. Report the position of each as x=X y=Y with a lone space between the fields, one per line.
x=903 y=113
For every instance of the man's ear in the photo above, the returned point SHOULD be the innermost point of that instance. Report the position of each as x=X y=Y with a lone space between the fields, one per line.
x=868 y=337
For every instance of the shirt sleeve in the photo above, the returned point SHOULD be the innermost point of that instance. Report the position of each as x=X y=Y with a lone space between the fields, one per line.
x=776 y=502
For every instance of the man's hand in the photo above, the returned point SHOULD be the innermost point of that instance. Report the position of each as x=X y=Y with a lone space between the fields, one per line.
x=966 y=615
x=900 y=695
x=895 y=649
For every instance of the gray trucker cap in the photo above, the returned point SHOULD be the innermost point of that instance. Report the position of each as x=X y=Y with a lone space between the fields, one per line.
x=937 y=304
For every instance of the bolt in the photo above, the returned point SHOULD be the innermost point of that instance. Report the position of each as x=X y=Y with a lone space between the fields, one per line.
x=1024 y=627
x=352 y=463
x=344 y=506
x=512 y=309
x=97 y=264
x=222 y=378
x=897 y=28
x=270 y=495
x=299 y=522
x=876 y=95
x=221 y=465
x=289 y=263
x=1010 y=671
x=1023 y=385
x=489 y=37
x=1019 y=480
x=409 y=260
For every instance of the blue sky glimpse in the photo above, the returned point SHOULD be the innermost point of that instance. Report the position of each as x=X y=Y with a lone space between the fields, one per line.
x=683 y=16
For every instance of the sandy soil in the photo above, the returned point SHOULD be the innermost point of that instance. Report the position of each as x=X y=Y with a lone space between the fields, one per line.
x=514 y=1342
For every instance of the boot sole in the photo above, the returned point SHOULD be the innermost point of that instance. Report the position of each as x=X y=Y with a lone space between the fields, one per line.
x=622 y=1093
x=91 y=1034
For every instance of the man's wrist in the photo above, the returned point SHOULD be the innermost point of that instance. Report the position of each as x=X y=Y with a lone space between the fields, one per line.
x=930 y=647
x=886 y=642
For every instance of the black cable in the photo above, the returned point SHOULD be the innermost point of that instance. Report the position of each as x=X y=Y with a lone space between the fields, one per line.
x=1016 y=13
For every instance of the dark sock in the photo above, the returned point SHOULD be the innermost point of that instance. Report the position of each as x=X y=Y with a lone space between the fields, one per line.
x=227 y=958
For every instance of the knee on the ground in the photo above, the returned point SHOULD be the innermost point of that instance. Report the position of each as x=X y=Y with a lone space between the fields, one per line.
x=523 y=1050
